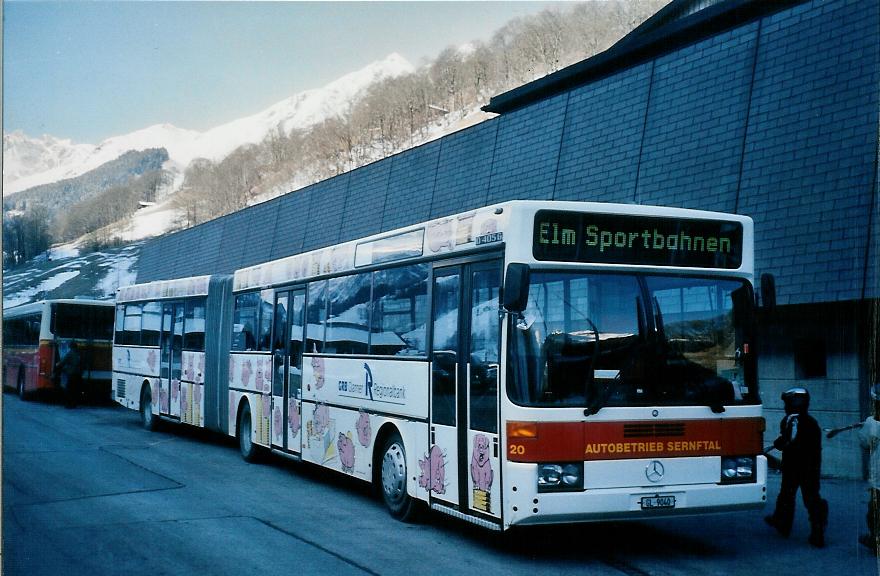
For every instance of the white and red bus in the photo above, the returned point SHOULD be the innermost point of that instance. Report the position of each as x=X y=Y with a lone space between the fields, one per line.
x=525 y=363
x=37 y=335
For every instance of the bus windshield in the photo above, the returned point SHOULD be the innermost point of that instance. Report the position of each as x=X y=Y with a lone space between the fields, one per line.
x=594 y=339
x=82 y=321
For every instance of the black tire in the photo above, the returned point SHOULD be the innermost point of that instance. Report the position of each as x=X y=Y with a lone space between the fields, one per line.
x=393 y=479
x=249 y=451
x=20 y=386
x=148 y=420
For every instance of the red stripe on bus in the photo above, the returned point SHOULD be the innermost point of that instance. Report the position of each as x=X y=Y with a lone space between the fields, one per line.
x=576 y=441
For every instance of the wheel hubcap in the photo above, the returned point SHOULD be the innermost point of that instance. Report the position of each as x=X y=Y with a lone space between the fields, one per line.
x=246 y=434
x=394 y=472
x=147 y=408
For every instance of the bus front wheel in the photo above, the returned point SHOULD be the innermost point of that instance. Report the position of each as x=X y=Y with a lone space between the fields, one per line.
x=148 y=419
x=393 y=477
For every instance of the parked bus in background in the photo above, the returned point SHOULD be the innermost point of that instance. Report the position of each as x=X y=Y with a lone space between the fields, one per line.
x=525 y=363
x=169 y=339
x=37 y=335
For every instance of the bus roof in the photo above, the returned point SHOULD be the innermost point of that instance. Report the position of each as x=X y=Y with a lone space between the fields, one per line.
x=450 y=234
x=178 y=288
x=32 y=307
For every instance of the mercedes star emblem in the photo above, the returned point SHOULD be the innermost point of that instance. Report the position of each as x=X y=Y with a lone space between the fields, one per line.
x=654 y=471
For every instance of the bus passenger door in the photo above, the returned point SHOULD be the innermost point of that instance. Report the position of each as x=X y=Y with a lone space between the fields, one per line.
x=279 y=369
x=287 y=349
x=464 y=459
x=171 y=349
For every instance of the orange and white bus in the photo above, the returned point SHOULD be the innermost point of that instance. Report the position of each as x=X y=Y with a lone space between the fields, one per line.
x=529 y=362
x=37 y=335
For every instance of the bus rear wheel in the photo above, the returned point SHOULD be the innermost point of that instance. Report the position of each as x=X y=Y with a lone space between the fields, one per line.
x=148 y=419
x=249 y=451
x=393 y=478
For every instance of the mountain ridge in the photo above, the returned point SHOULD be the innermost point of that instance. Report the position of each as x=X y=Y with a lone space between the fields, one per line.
x=34 y=161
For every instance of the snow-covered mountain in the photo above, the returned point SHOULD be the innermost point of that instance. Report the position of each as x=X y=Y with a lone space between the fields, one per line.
x=29 y=162
x=25 y=157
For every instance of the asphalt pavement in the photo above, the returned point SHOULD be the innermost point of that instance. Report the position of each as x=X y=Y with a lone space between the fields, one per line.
x=88 y=491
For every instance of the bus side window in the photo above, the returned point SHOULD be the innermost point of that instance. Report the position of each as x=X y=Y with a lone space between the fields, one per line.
x=151 y=321
x=132 y=325
x=348 y=324
x=484 y=353
x=245 y=321
x=316 y=316
x=120 y=319
x=264 y=343
x=400 y=311
x=194 y=325
x=34 y=330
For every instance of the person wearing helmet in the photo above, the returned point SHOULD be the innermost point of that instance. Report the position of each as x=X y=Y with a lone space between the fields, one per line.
x=800 y=441
x=869 y=437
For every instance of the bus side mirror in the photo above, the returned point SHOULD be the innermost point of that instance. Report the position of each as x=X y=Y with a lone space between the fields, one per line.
x=516 y=287
x=768 y=292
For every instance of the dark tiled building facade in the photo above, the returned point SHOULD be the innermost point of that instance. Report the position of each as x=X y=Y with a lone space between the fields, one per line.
x=770 y=109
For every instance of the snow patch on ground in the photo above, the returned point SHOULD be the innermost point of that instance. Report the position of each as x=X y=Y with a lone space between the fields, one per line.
x=120 y=274
x=150 y=221
x=28 y=295
x=63 y=251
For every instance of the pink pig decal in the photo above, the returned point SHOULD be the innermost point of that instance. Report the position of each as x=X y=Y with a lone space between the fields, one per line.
x=346 y=452
x=365 y=432
x=184 y=403
x=295 y=421
x=321 y=418
x=267 y=376
x=163 y=399
x=200 y=376
x=440 y=236
x=433 y=467
x=318 y=368
x=258 y=381
x=151 y=360
x=481 y=467
x=277 y=427
x=189 y=372
x=246 y=369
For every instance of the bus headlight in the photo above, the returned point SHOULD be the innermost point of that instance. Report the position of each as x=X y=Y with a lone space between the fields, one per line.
x=561 y=477
x=737 y=469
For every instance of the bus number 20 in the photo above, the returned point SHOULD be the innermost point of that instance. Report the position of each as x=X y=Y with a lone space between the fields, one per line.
x=517 y=449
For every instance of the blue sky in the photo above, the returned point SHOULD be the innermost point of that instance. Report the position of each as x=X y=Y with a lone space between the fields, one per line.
x=91 y=70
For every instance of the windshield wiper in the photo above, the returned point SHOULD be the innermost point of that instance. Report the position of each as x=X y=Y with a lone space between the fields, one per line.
x=658 y=322
x=598 y=399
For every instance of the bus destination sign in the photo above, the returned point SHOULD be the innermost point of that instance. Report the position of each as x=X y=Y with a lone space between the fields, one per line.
x=629 y=239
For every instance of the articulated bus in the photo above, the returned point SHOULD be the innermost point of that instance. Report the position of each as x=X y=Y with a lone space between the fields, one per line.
x=37 y=335
x=525 y=363
x=168 y=340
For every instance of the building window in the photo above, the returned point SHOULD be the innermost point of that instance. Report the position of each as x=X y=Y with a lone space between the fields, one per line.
x=810 y=358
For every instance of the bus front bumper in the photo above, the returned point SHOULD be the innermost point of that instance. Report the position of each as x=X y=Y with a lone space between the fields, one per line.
x=524 y=505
